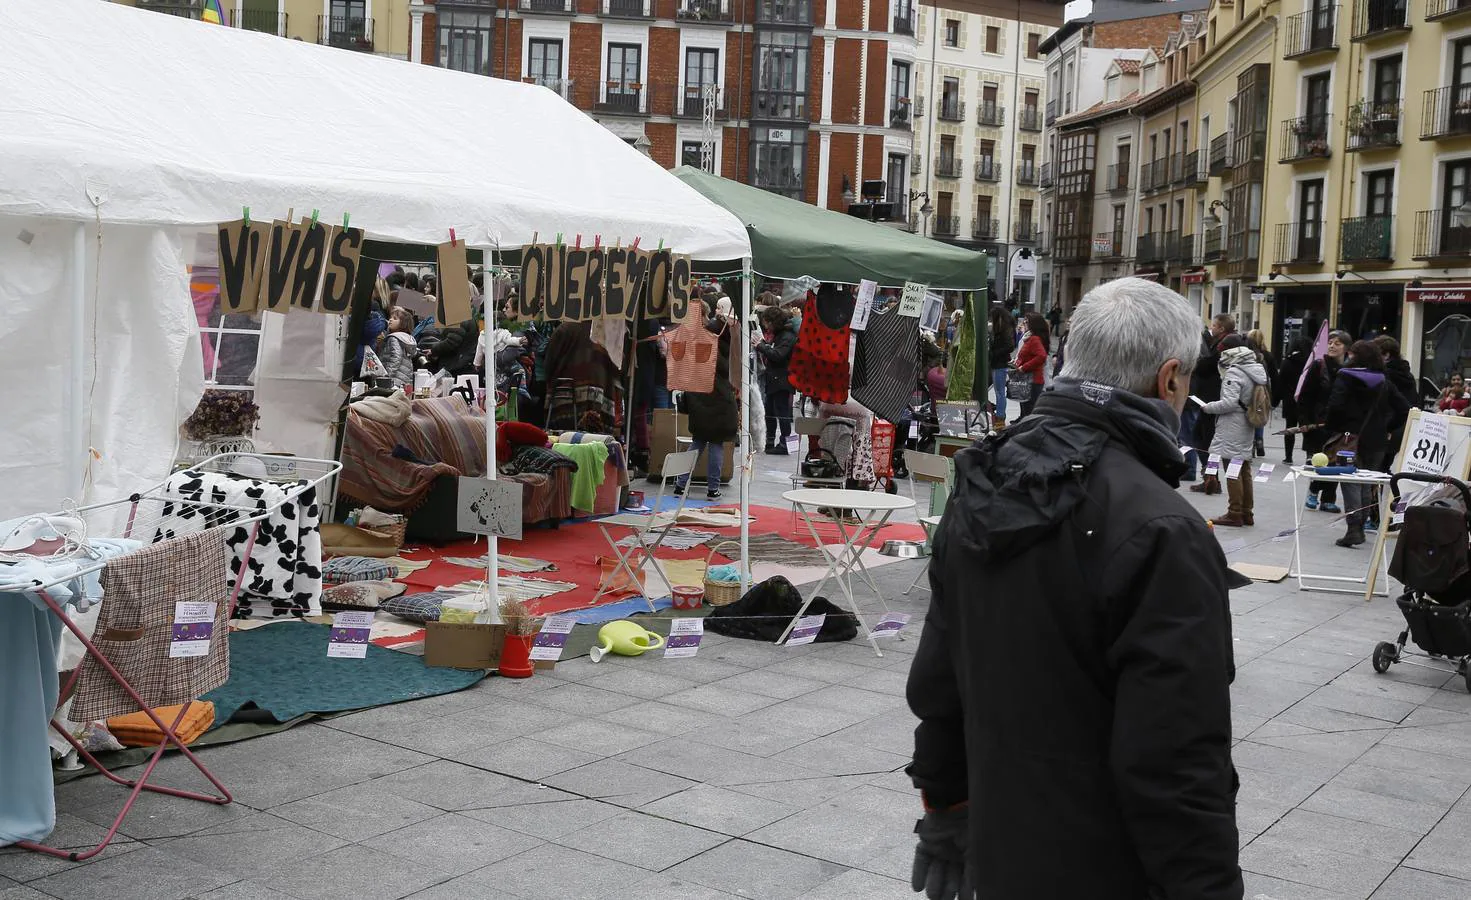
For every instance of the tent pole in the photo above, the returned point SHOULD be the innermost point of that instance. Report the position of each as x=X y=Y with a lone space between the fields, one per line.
x=743 y=445
x=488 y=311
x=76 y=469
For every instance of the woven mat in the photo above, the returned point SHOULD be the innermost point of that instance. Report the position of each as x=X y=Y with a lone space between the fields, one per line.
x=775 y=548
x=675 y=538
x=515 y=587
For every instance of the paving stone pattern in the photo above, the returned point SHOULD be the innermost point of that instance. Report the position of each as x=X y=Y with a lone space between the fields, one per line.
x=773 y=773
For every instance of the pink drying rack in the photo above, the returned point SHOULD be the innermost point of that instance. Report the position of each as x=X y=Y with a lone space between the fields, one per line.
x=150 y=513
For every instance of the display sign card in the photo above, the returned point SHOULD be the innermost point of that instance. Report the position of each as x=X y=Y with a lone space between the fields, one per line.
x=912 y=300
x=1428 y=447
x=1233 y=469
x=552 y=637
x=931 y=312
x=454 y=282
x=194 y=627
x=890 y=625
x=864 y=304
x=349 y=636
x=684 y=637
x=1212 y=464
x=490 y=506
x=1264 y=471
x=806 y=630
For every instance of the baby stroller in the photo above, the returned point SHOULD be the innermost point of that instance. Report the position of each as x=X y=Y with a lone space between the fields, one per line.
x=1433 y=562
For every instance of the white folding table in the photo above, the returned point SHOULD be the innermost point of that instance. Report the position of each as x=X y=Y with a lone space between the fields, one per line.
x=1326 y=583
x=873 y=509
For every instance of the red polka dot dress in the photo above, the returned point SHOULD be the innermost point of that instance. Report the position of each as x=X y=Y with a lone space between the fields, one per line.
x=819 y=366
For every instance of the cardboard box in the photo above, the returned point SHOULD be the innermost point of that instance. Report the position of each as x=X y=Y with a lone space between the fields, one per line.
x=668 y=425
x=458 y=646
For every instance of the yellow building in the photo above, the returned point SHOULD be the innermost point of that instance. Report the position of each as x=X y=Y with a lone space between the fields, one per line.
x=373 y=26
x=1370 y=173
x=1232 y=71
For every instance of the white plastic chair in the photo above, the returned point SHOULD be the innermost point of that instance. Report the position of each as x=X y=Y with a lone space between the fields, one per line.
x=930 y=468
x=644 y=524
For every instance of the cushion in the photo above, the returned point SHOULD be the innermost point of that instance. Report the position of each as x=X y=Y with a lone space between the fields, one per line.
x=344 y=569
x=355 y=596
x=419 y=608
x=516 y=434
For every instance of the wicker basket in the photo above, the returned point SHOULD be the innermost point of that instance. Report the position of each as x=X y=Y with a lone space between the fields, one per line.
x=394 y=532
x=721 y=593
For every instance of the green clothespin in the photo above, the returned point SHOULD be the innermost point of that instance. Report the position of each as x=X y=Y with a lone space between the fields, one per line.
x=345 y=217
x=246 y=214
x=661 y=243
x=314 y=217
x=559 y=239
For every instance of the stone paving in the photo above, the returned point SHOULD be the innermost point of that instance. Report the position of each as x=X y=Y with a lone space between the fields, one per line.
x=768 y=772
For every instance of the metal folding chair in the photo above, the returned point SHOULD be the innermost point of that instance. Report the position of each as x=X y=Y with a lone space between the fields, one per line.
x=930 y=468
x=641 y=525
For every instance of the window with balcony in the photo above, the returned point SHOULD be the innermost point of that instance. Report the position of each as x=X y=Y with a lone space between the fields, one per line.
x=1026 y=221
x=1027 y=172
x=1313 y=31
x=1034 y=41
x=952 y=32
x=260 y=15
x=900 y=107
x=704 y=10
x=701 y=74
x=781 y=75
x=466 y=28
x=993 y=39
x=1446 y=232
x=623 y=89
x=784 y=12
x=347 y=25
x=951 y=109
x=1447 y=110
x=947 y=164
x=1306 y=137
x=991 y=112
x=1302 y=241
x=986 y=167
x=1031 y=115
x=904 y=17
x=895 y=190
x=1374 y=122
x=628 y=9
x=985 y=225
x=1443 y=9
x=777 y=156
x=544 y=62
x=1376 y=17
x=1369 y=237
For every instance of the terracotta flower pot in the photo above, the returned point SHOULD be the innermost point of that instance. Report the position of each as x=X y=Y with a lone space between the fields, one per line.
x=516 y=656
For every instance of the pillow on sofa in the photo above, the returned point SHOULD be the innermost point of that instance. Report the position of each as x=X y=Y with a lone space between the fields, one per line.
x=515 y=434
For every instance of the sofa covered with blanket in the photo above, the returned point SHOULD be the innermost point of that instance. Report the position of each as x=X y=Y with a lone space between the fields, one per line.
x=407 y=456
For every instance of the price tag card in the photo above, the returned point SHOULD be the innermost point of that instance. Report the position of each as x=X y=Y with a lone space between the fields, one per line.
x=863 y=305
x=684 y=637
x=890 y=625
x=1427 y=450
x=913 y=430
x=806 y=630
x=912 y=300
x=794 y=443
x=1233 y=469
x=1264 y=471
x=1184 y=451
x=1212 y=464
x=552 y=637
x=1397 y=512
x=194 y=627
x=349 y=638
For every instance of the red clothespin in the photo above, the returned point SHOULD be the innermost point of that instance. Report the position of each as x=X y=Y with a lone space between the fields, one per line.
x=597 y=242
x=578 y=245
x=634 y=245
x=452 y=239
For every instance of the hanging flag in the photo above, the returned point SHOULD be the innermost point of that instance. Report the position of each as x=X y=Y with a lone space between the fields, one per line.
x=212 y=13
x=1320 y=351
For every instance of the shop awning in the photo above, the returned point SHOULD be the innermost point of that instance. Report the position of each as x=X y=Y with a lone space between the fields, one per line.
x=790 y=239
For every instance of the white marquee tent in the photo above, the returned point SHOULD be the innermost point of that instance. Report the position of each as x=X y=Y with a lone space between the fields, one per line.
x=123 y=133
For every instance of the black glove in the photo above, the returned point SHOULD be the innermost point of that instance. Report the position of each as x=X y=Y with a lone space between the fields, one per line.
x=939 y=860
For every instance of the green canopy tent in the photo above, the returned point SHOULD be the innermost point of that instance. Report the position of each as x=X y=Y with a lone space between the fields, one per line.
x=790 y=239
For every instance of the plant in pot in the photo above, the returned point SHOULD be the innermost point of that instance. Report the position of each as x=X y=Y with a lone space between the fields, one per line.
x=521 y=629
x=222 y=422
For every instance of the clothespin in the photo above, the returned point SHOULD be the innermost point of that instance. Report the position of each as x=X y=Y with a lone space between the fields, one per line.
x=634 y=245
x=452 y=239
x=578 y=245
x=618 y=244
x=315 y=213
x=534 y=236
x=597 y=242
x=345 y=217
x=661 y=243
x=559 y=239
x=245 y=214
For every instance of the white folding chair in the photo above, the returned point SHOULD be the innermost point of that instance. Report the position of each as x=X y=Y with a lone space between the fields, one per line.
x=642 y=525
x=929 y=468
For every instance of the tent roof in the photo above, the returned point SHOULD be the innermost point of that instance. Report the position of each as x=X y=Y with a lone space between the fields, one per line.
x=177 y=122
x=790 y=239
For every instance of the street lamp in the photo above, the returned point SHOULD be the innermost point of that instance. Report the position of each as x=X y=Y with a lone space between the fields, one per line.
x=924 y=208
x=1211 y=220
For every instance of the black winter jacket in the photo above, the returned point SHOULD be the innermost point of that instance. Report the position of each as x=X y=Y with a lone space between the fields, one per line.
x=1072 y=680
x=1285 y=389
x=778 y=356
x=1364 y=403
x=1402 y=380
x=1205 y=382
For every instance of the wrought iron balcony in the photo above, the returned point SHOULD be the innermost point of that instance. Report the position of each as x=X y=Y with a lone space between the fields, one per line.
x=262 y=20
x=1220 y=155
x=1211 y=247
x=1373 y=125
x=704 y=11
x=628 y=9
x=1306 y=138
x=1445 y=9
x=1149 y=249
x=985 y=229
x=1052 y=105
x=350 y=32
x=1366 y=239
x=1024 y=232
x=1030 y=119
x=1044 y=176
x=1026 y=173
x=1154 y=175
x=947 y=166
x=1446 y=113
x=904 y=20
x=1194 y=174
x=1180 y=248
x=1116 y=179
x=990 y=113
x=184 y=9
x=952 y=109
x=1314 y=31
x=948 y=226
x=624 y=98
x=1443 y=233
x=689 y=103
x=1375 y=18
x=555 y=7
x=987 y=169
x=899 y=115
x=562 y=86
x=784 y=12
x=1299 y=242
x=1243 y=249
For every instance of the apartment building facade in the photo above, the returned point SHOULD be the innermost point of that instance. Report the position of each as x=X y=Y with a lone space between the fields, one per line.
x=370 y=26
x=979 y=96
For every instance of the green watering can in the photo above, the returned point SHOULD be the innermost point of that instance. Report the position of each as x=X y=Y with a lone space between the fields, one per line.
x=624 y=638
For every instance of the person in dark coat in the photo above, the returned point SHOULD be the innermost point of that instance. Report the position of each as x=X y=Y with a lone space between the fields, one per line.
x=1206 y=382
x=1099 y=767
x=1001 y=346
x=1312 y=404
x=776 y=354
x=1285 y=390
x=714 y=418
x=1363 y=403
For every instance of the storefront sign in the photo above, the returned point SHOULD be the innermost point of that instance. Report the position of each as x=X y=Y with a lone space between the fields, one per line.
x=575 y=284
x=1457 y=292
x=1192 y=278
x=1103 y=245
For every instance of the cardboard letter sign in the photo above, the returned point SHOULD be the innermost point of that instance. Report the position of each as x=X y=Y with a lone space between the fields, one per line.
x=242 y=254
x=311 y=255
x=454 y=288
x=344 y=251
x=280 y=266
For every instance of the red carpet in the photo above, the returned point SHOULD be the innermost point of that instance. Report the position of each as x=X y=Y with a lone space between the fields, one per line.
x=575 y=548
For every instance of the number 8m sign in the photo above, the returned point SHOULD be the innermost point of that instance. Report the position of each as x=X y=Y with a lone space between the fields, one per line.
x=1428 y=447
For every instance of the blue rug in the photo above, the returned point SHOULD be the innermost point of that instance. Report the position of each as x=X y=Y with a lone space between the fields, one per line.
x=284 y=670
x=610 y=612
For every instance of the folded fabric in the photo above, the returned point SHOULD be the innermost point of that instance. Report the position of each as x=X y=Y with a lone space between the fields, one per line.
x=137 y=730
x=344 y=569
x=723 y=573
x=590 y=459
x=391 y=410
x=418 y=608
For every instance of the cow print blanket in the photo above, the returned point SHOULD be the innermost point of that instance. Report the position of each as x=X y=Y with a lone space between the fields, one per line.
x=285 y=577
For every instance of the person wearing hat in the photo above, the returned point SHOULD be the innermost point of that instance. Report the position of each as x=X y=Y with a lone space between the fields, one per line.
x=1235 y=437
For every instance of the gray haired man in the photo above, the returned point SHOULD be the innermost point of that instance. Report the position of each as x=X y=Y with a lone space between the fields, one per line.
x=1072 y=681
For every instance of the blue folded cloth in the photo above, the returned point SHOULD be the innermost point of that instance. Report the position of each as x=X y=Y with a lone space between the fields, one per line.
x=723 y=573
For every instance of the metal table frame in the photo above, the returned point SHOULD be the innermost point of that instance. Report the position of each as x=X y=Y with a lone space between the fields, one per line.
x=1328 y=583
